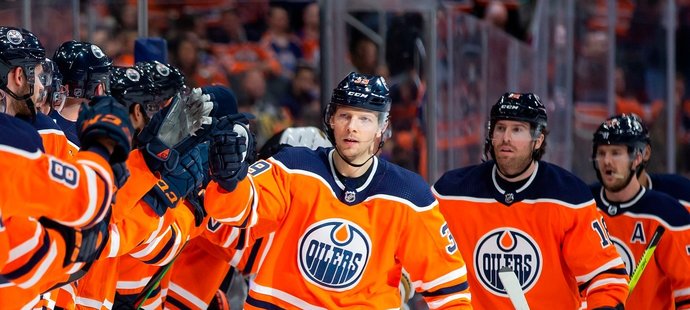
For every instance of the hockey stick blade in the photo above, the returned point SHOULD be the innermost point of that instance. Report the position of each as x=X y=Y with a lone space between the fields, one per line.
x=646 y=256
x=513 y=288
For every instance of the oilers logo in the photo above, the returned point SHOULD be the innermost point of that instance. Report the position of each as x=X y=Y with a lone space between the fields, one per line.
x=511 y=247
x=625 y=253
x=333 y=254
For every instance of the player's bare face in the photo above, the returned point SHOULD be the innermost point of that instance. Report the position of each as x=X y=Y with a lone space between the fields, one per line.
x=355 y=131
x=613 y=162
x=513 y=144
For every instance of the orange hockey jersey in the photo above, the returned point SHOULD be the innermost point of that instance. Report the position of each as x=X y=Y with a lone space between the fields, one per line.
x=203 y=265
x=138 y=238
x=343 y=247
x=83 y=185
x=54 y=140
x=34 y=265
x=4 y=242
x=548 y=231
x=665 y=282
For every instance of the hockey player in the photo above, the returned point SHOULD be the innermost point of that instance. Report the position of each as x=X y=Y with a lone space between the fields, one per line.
x=85 y=73
x=347 y=221
x=632 y=213
x=204 y=264
x=674 y=185
x=21 y=54
x=151 y=221
x=521 y=212
x=134 y=274
x=84 y=187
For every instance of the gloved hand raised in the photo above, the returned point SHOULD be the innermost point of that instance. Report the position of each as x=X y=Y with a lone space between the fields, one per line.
x=197 y=107
x=180 y=182
x=231 y=146
x=105 y=122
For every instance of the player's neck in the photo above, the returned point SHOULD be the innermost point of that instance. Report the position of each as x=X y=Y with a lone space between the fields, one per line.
x=348 y=170
x=71 y=109
x=625 y=194
x=520 y=177
x=644 y=178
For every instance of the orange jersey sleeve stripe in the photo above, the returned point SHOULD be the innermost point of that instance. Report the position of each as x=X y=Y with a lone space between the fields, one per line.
x=55 y=143
x=84 y=186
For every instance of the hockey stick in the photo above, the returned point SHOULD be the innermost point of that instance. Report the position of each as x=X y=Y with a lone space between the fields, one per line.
x=154 y=281
x=513 y=288
x=646 y=255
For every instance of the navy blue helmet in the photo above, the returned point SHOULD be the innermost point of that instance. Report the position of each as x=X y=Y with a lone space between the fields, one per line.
x=19 y=48
x=83 y=66
x=129 y=86
x=368 y=92
x=523 y=107
x=625 y=129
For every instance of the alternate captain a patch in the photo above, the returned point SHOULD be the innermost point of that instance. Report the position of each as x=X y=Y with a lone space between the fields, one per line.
x=259 y=167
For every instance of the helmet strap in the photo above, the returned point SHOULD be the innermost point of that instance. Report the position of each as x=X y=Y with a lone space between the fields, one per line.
x=351 y=163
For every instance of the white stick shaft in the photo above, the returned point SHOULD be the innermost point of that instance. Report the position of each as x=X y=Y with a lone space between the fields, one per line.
x=513 y=288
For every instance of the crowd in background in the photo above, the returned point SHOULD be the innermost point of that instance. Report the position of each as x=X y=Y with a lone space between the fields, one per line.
x=268 y=53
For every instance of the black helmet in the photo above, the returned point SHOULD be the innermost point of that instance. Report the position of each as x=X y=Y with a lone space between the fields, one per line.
x=56 y=92
x=368 y=92
x=167 y=79
x=525 y=107
x=520 y=107
x=83 y=66
x=626 y=129
x=129 y=86
x=19 y=48
x=623 y=129
x=363 y=91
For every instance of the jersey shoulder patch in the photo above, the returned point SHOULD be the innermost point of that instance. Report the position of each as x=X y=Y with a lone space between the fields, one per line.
x=259 y=167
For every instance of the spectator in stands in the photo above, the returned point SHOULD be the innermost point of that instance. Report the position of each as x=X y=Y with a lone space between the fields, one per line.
x=626 y=102
x=496 y=14
x=302 y=98
x=199 y=67
x=254 y=98
x=309 y=35
x=229 y=28
x=284 y=43
x=364 y=55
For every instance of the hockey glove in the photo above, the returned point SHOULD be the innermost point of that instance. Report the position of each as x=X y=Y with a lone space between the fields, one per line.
x=230 y=145
x=104 y=117
x=197 y=108
x=121 y=174
x=178 y=183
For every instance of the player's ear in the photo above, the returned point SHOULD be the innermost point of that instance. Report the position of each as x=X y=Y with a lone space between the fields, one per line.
x=539 y=141
x=138 y=117
x=100 y=89
x=382 y=128
x=18 y=75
